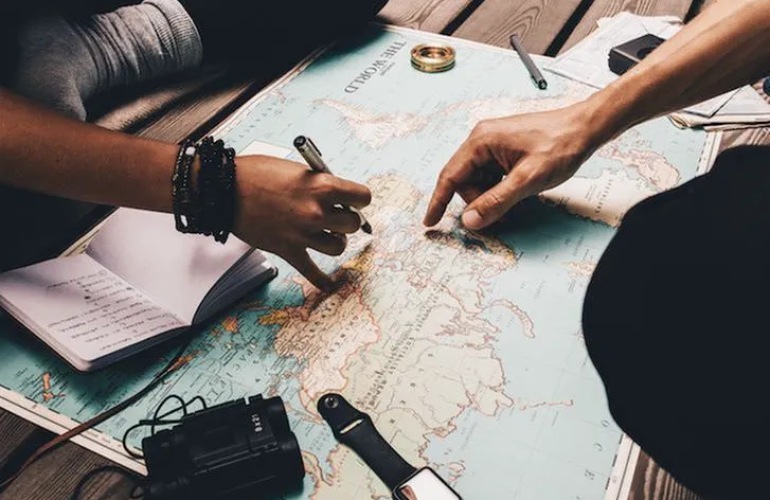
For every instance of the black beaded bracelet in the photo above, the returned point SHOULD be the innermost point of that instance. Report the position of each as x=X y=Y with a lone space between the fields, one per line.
x=228 y=195
x=209 y=163
x=208 y=179
x=209 y=209
x=182 y=195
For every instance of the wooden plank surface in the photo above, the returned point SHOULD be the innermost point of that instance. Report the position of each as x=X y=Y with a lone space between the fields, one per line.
x=653 y=483
x=431 y=15
x=537 y=22
x=13 y=433
x=192 y=115
x=56 y=476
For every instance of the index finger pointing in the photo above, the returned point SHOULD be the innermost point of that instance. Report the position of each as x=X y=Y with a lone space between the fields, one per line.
x=456 y=172
x=302 y=262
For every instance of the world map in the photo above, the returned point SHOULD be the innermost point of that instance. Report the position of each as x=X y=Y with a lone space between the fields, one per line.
x=464 y=347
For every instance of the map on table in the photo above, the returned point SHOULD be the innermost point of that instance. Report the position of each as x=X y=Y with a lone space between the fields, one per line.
x=465 y=348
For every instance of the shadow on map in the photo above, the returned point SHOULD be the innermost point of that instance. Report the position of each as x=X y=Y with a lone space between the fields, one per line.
x=531 y=225
x=353 y=43
x=457 y=235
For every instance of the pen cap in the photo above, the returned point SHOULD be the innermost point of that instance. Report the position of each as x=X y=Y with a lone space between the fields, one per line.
x=309 y=152
x=303 y=141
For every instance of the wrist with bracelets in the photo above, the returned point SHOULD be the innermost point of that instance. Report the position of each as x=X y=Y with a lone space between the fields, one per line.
x=207 y=208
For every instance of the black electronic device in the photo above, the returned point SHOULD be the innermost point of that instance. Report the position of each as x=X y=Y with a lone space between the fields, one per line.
x=626 y=55
x=243 y=449
x=356 y=430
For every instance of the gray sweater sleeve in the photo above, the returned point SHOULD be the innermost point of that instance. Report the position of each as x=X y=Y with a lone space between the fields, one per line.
x=64 y=63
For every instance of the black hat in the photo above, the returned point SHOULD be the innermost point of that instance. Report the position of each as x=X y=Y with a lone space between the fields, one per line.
x=675 y=320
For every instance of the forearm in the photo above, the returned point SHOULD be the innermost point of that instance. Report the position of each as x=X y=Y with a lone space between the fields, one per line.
x=45 y=152
x=725 y=47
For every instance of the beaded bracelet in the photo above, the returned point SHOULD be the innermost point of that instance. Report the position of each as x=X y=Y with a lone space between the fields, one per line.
x=210 y=183
x=211 y=209
x=228 y=195
x=182 y=195
x=210 y=162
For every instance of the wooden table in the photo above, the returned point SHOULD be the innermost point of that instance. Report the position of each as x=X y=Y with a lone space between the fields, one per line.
x=545 y=26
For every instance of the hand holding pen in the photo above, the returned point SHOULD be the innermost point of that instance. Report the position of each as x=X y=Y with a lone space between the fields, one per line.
x=312 y=156
x=284 y=209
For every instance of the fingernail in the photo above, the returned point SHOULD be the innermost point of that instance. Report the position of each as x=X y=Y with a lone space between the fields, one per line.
x=472 y=220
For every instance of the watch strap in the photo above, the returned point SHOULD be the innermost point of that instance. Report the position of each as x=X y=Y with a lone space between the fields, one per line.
x=356 y=430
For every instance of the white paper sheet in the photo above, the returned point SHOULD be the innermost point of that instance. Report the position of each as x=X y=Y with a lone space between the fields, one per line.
x=177 y=270
x=80 y=307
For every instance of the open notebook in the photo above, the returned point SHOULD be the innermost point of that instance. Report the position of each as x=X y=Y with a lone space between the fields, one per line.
x=139 y=282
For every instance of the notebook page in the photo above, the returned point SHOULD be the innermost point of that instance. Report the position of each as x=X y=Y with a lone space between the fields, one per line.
x=252 y=272
x=177 y=270
x=75 y=304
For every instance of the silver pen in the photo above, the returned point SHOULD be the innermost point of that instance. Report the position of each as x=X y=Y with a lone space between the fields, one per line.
x=534 y=72
x=312 y=156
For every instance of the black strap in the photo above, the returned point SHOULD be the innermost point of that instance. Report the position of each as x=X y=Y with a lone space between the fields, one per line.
x=356 y=430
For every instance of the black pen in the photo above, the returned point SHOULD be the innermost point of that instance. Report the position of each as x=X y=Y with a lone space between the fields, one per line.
x=529 y=63
x=312 y=156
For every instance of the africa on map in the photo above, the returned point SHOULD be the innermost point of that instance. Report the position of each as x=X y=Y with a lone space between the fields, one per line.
x=465 y=348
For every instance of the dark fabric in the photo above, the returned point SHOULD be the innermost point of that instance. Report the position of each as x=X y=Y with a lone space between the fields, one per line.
x=8 y=47
x=36 y=227
x=76 y=7
x=63 y=63
x=12 y=14
x=269 y=33
x=675 y=318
